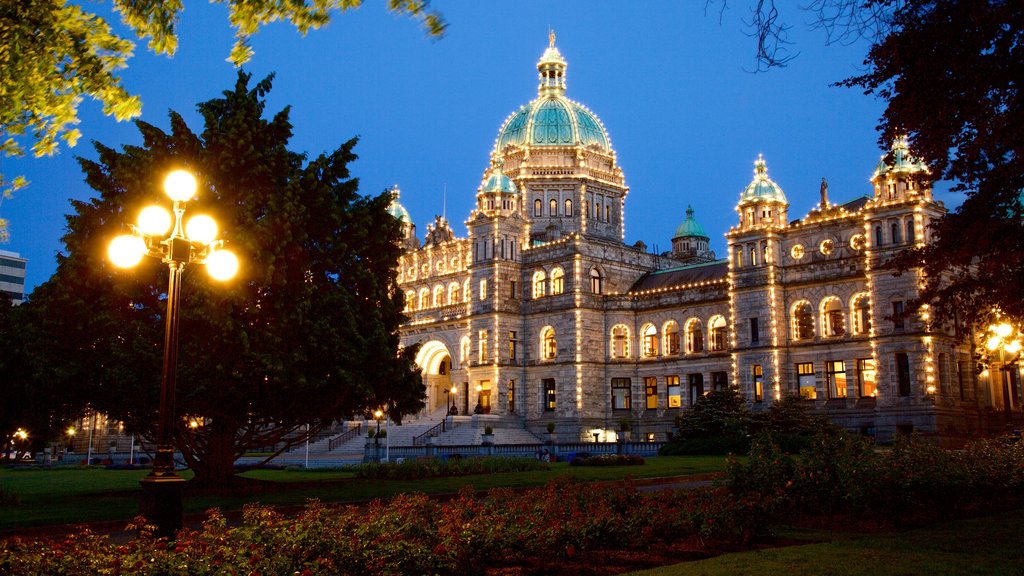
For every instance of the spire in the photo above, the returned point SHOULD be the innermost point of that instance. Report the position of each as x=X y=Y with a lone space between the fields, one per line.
x=552 y=69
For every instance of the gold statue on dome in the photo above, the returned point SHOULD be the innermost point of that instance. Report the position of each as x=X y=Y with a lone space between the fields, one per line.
x=551 y=37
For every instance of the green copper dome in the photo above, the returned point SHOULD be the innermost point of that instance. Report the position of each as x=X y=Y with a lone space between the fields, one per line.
x=498 y=182
x=762 y=188
x=903 y=162
x=552 y=119
x=396 y=209
x=689 y=227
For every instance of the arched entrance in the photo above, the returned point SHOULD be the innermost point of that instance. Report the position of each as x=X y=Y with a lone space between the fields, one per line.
x=436 y=363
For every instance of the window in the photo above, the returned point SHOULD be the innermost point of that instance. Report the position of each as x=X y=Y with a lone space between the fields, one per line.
x=557 y=281
x=651 y=393
x=483 y=346
x=671 y=338
x=758 y=374
x=867 y=381
x=694 y=337
x=897 y=315
x=835 y=378
x=483 y=289
x=513 y=343
x=719 y=334
x=548 y=346
x=511 y=396
x=943 y=374
x=549 y=394
x=833 y=323
x=674 y=397
x=903 y=373
x=596 y=284
x=410 y=300
x=538 y=207
x=620 y=394
x=454 y=293
x=805 y=380
x=539 y=282
x=894 y=228
x=553 y=208
x=878 y=235
x=620 y=342
x=861 y=314
x=738 y=252
x=803 y=321
x=696 y=387
x=466 y=294
x=719 y=380
x=568 y=207
x=424 y=298
x=755 y=336
x=512 y=289
x=910 y=232
x=649 y=339
x=753 y=256
x=438 y=296
x=607 y=212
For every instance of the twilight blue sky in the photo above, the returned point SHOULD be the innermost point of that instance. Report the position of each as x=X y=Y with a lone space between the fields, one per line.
x=671 y=84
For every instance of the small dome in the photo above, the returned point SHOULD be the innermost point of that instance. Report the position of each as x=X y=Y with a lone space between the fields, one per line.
x=498 y=182
x=903 y=162
x=396 y=209
x=689 y=227
x=762 y=188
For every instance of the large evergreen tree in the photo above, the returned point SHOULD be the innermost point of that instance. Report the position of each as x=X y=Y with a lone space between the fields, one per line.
x=307 y=334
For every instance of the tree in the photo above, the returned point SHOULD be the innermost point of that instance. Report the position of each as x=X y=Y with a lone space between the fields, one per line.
x=308 y=335
x=54 y=53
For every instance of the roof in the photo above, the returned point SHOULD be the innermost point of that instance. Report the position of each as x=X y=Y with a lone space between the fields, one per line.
x=689 y=227
x=762 y=188
x=681 y=276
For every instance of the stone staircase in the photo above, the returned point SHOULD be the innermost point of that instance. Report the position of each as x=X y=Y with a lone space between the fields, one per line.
x=460 y=431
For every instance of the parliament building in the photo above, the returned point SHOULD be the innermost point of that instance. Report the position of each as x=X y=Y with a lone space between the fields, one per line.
x=545 y=314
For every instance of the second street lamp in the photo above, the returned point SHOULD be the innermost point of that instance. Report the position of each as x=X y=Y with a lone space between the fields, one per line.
x=193 y=242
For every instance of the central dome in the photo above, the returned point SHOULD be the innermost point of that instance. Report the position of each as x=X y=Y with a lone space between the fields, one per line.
x=552 y=119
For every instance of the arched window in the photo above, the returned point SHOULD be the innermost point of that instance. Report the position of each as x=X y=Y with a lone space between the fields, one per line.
x=424 y=298
x=596 y=281
x=620 y=341
x=548 y=345
x=438 y=295
x=607 y=212
x=538 y=206
x=694 y=336
x=753 y=256
x=466 y=293
x=454 y=293
x=895 y=229
x=861 y=313
x=649 y=338
x=671 y=331
x=910 y=231
x=539 y=279
x=719 y=334
x=410 y=300
x=878 y=236
x=833 y=323
x=553 y=207
x=586 y=208
x=803 y=321
x=557 y=281
x=568 y=207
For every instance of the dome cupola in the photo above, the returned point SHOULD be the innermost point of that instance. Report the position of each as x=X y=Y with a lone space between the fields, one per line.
x=689 y=227
x=903 y=162
x=396 y=209
x=690 y=244
x=762 y=188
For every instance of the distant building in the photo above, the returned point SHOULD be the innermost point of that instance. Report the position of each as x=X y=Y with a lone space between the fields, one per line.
x=12 y=276
x=545 y=314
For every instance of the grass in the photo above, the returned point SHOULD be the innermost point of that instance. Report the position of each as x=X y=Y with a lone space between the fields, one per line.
x=79 y=494
x=988 y=546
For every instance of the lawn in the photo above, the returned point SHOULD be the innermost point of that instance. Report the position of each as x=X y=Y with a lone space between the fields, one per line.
x=77 y=494
x=989 y=546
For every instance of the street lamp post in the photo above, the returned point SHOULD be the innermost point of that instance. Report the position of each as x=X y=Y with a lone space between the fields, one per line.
x=194 y=242
x=1005 y=339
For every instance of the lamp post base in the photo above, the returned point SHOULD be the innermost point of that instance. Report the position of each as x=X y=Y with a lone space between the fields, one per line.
x=161 y=502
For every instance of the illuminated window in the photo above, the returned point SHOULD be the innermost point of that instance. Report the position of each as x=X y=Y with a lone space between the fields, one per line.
x=596 y=281
x=671 y=338
x=866 y=377
x=424 y=298
x=861 y=314
x=651 y=392
x=649 y=338
x=826 y=247
x=539 y=282
x=620 y=341
x=439 y=295
x=410 y=300
x=758 y=374
x=548 y=345
x=513 y=344
x=538 y=207
x=511 y=396
x=454 y=293
x=694 y=336
x=483 y=346
x=833 y=323
x=483 y=289
x=674 y=394
x=557 y=281
x=553 y=207
x=835 y=378
x=805 y=380
x=607 y=212
x=568 y=207
x=803 y=321
x=719 y=334
x=620 y=394
x=797 y=251
x=549 y=394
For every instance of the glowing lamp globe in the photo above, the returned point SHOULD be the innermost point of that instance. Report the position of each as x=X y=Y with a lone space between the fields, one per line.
x=222 y=265
x=126 y=251
x=1013 y=347
x=202 y=229
x=154 y=221
x=180 y=185
x=1004 y=330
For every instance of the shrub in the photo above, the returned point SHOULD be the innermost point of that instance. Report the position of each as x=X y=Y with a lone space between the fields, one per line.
x=706 y=446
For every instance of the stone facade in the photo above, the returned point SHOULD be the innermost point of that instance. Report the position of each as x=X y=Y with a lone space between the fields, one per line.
x=543 y=312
